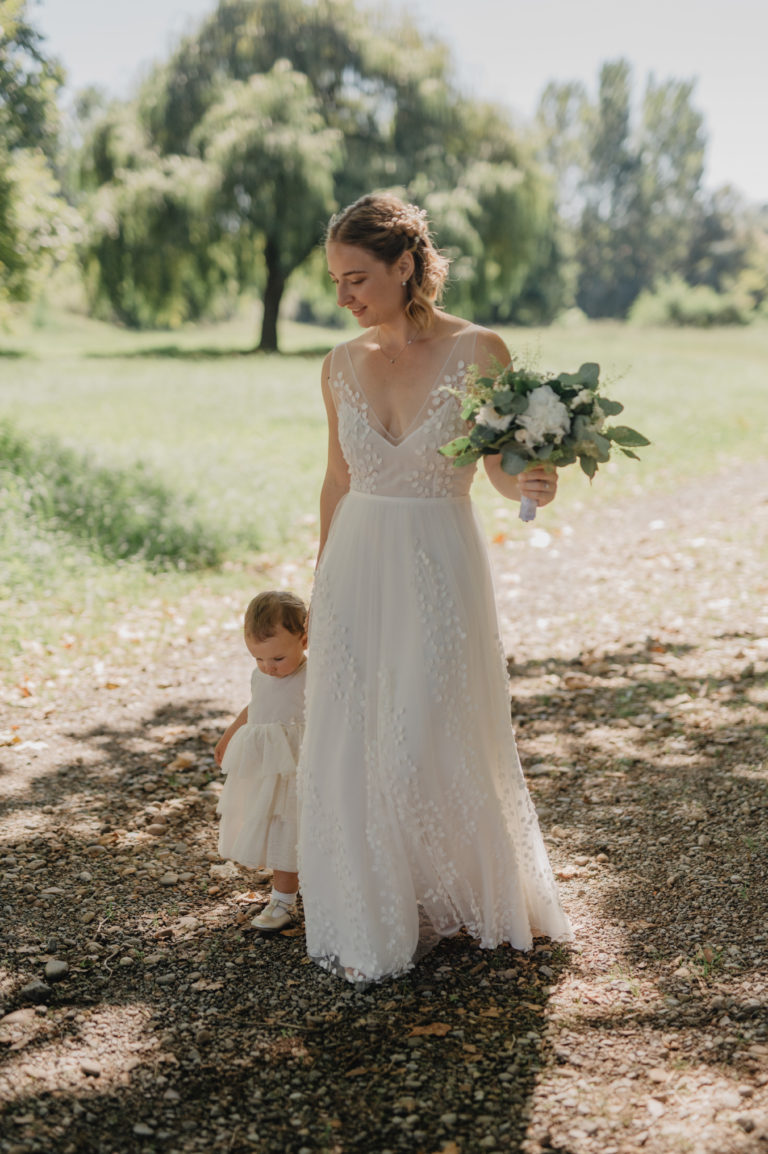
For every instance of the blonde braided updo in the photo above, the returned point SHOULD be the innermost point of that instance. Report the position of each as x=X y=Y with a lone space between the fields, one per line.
x=386 y=227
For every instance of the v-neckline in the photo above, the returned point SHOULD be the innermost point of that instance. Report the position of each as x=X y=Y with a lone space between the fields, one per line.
x=383 y=432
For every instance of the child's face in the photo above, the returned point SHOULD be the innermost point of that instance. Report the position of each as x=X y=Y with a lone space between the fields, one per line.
x=280 y=655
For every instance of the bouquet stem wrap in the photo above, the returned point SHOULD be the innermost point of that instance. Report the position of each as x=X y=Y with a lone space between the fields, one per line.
x=528 y=509
x=528 y=505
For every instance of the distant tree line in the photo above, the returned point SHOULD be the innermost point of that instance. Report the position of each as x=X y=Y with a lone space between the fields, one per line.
x=38 y=227
x=639 y=226
x=218 y=176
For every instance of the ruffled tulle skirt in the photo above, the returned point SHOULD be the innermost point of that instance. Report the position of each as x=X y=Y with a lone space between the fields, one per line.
x=410 y=786
x=258 y=806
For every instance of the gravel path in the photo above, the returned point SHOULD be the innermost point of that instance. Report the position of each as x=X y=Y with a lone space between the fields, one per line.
x=139 y=1011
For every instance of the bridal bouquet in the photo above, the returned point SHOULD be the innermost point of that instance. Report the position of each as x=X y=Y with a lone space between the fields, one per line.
x=532 y=419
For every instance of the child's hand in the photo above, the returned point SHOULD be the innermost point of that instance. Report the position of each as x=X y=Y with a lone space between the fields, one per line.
x=221 y=745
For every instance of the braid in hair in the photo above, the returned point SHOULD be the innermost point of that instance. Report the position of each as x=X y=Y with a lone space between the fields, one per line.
x=387 y=227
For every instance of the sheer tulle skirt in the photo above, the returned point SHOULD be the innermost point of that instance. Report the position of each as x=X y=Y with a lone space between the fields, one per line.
x=410 y=786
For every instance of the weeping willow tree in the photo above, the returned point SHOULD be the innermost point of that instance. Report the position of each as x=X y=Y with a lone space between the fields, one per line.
x=225 y=167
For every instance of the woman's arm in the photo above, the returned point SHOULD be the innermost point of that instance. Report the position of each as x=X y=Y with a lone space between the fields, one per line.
x=540 y=484
x=336 y=482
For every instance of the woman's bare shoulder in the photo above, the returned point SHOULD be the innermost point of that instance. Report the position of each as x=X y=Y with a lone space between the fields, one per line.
x=490 y=347
x=334 y=352
x=452 y=327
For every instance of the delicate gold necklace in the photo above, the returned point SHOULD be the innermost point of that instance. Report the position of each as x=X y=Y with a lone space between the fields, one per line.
x=398 y=354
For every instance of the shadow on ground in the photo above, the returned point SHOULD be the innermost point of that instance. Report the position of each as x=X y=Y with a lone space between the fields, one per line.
x=201 y=1035
x=178 y=352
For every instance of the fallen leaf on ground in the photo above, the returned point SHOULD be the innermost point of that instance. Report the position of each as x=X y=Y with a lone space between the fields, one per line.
x=433 y=1030
x=183 y=761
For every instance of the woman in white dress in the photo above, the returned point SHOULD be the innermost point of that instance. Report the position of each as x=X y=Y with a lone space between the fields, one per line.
x=411 y=790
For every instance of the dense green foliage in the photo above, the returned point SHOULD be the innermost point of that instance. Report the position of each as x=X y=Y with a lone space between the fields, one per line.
x=119 y=514
x=217 y=177
x=291 y=108
x=631 y=192
x=674 y=302
x=29 y=82
x=37 y=227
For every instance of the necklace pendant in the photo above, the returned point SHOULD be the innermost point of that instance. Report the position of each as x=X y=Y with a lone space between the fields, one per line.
x=397 y=354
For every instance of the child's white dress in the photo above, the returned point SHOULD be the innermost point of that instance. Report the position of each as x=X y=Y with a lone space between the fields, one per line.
x=258 y=805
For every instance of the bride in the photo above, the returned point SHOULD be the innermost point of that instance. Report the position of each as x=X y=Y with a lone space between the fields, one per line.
x=412 y=793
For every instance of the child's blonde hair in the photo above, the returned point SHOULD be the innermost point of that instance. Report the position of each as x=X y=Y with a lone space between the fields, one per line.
x=269 y=610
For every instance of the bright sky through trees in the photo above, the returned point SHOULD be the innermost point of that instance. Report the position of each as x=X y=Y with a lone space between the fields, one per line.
x=504 y=51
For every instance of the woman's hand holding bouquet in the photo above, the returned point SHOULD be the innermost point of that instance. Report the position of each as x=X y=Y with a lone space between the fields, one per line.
x=533 y=419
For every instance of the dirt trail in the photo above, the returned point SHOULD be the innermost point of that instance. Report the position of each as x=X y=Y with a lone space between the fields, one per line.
x=139 y=1012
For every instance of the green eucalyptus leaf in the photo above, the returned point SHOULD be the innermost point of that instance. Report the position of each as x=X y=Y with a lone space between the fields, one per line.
x=483 y=435
x=629 y=453
x=588 y=465
x=623 y=435
x=513 y=463
x=563 y=455
x=610 y=408
x=467 y=458
x=602 y=446
x=503 y=400
x=453 y=448
x=589 y=374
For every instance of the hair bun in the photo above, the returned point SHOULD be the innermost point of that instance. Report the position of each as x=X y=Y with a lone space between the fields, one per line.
x=412 y=221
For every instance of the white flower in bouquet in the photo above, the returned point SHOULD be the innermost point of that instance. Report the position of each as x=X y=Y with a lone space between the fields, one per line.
x=487 y=415
x=546 y=416
x=526 y=437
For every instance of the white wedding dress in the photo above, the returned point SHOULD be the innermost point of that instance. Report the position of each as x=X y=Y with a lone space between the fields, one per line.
x=411 y=791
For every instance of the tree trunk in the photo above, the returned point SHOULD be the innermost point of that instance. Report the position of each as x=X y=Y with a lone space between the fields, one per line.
x=273 y=294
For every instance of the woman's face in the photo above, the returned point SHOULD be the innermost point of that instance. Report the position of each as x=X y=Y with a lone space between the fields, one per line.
x=371 y=290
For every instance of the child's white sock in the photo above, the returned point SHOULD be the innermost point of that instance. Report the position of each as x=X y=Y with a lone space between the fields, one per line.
x=284 y=899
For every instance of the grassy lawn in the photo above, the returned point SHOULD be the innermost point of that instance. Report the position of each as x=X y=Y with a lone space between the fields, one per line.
x=240 y=441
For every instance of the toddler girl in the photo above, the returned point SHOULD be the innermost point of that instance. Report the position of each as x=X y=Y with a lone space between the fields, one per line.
x=259 y=751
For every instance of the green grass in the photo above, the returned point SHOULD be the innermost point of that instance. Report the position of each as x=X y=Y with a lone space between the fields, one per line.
x=231 y=450
x=119 y=513
x=241 y=436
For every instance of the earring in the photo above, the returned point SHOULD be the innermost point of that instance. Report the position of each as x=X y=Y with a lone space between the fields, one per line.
x=403 y=283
